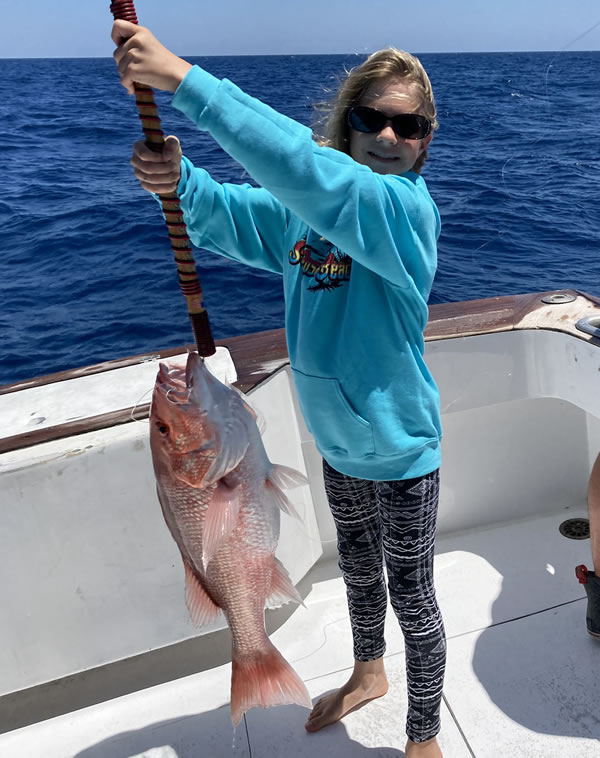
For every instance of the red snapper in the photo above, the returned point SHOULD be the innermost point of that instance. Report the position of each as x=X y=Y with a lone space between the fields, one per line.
x=221 y=498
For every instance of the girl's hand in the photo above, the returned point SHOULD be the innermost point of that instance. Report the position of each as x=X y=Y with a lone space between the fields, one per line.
x=141 y=58
x=158 y=172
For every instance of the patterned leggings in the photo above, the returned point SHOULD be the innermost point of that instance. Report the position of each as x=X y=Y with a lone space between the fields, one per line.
x=397 y=520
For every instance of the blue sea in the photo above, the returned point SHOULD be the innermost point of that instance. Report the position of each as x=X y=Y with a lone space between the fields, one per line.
x=86 y=270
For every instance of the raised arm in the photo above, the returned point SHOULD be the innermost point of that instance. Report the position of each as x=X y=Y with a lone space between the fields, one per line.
x=386 y=223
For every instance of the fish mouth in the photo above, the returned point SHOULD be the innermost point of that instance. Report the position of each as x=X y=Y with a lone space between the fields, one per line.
x=171 y=381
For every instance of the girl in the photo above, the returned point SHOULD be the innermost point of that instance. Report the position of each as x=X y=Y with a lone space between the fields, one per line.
x=350 y=225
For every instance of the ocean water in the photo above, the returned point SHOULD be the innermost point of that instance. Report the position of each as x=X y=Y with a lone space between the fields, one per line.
x=86 y=270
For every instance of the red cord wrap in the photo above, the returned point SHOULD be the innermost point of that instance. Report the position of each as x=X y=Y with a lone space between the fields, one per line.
x=180 y=242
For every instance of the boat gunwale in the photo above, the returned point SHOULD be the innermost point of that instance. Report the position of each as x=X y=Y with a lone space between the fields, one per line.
x=259 y=355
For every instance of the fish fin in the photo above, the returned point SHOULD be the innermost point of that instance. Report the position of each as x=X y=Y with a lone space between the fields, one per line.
x=234 y=445
x=264 y=679
x=220 y=520
x=286 y=477
x=200 y=606
x=279 y=499
x=282 y=589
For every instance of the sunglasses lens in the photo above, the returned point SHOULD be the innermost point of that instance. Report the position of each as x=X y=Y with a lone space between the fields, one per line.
x=366 y=119
x=411 y=126
x=405 y=125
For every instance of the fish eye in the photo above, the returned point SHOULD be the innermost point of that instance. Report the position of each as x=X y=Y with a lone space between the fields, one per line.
x=163 y=429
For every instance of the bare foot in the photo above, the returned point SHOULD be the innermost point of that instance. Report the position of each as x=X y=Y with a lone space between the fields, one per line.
x=368 y=681
x=429 y=749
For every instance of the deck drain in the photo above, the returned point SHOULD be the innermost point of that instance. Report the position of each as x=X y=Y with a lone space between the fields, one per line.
x=575 y=528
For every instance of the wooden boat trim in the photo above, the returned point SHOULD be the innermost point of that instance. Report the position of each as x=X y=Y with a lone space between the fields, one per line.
x=257 y=356
x=251 y=355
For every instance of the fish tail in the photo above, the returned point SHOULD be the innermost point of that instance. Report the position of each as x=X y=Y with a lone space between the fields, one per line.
x=264 y=679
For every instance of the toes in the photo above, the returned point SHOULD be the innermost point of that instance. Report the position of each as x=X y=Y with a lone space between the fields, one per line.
x=317 y=709
x=313 y=725
x=316 y=718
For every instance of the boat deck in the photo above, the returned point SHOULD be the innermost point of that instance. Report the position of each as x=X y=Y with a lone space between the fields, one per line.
x=522 y=678
x=103 y=658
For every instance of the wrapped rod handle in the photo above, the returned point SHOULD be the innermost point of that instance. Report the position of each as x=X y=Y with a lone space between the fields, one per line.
x=180 y=242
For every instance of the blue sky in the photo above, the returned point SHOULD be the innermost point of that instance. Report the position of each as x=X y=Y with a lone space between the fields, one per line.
x=42 y=28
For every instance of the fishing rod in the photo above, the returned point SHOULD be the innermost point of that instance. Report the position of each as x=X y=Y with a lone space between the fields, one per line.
x=189 y=281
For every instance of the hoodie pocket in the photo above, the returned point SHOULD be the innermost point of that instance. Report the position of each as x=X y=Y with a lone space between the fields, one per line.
x=330 y=418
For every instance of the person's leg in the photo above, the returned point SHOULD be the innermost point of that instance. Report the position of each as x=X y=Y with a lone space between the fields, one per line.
x=594 y=514
x=355 y=512
x=591 y=579
x=409 y=513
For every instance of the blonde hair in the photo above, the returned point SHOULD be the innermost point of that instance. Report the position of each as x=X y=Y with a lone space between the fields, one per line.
x=332 y=128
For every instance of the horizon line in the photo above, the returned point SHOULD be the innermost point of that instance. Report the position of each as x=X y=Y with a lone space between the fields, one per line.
x=292 y=55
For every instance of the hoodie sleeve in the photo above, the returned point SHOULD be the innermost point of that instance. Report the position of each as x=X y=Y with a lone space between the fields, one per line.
x=238 y=221
x=387 y=223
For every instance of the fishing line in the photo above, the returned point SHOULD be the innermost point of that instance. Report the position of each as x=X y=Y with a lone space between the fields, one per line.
x=324 y=642
x=572 y=42
x=547 y=94
x=474 y=253
x=133 y=410
x=546 y=78
x=530 y=145
x=183 y=396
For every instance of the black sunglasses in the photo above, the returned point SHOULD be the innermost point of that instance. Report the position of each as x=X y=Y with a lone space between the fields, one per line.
x=405 y=125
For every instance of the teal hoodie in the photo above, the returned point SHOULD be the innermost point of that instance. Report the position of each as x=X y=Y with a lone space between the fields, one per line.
x=357 y=252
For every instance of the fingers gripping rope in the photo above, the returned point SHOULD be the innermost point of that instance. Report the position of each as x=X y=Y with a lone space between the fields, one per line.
x=180 y=242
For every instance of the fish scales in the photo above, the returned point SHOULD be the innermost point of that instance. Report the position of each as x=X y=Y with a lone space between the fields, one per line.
x=221 y=498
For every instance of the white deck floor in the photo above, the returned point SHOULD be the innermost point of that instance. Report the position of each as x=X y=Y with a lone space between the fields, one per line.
x=523 y=677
